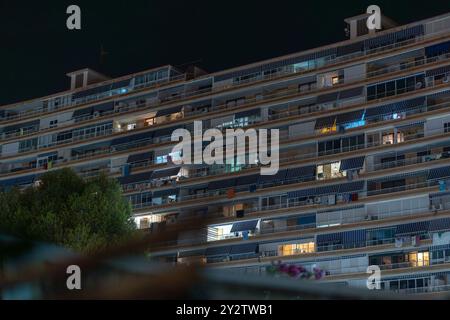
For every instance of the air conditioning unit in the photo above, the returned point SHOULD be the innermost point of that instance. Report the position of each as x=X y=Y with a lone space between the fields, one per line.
x=317 y=200
x=446 y=79
x=96 y=114
x=309 y=201
x=419 y=85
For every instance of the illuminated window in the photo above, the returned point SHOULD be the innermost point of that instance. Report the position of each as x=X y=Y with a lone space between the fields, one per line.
x=295 y=248
x=419 y=259
x=329 y=171
x=149 y=122
x=334 y=80
x=131 y=126
x=333 y=128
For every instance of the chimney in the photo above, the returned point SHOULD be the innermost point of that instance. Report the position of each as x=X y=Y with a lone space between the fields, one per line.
x=84 y=77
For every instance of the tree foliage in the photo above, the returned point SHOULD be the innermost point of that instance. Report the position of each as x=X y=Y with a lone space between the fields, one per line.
x=67 y=210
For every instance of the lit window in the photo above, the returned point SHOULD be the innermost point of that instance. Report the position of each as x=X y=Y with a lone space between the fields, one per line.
x=131 y=126
x=295 y=248
x=334 y=80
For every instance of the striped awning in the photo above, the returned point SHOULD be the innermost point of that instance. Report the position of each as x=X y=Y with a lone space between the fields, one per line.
x=437 y=71
x=330 y=237
x=440 y=225
x=244 y=226
x=412 y=228
x=437 y=173
x=352 y=163
x=244 y=248
x=354 y=238
x=351 y=186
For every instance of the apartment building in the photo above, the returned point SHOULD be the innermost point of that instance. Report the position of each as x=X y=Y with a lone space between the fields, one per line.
x=364 y=155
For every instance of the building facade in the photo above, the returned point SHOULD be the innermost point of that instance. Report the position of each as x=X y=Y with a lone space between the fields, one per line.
x=364 y=155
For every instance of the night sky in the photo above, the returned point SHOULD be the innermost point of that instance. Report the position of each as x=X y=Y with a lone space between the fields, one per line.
x=37 y=50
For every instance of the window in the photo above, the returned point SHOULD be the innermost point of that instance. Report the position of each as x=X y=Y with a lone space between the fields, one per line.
x=447 y=127
x=295 y=248
x=131 y=126
x=53 y=124
x=419 y=259
x=329 y=171
x=335 y=80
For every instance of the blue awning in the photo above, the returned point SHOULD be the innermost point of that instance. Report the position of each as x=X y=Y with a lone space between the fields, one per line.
x=217 y=251
x=330 y=237
x=307 y=219
x=351 y=186
x=352 y=163
x=392 y=38
x=140 y=157
x=83 y=112
x=440 y=225
x=331 y=189
x=104 y=107
x=348 y=117
x=302 y=172
x=244 y=226
x=439 y=173
x=120 y=84
x=354 y=238
x=412 y=228
x=437 y=49
x=244 y=248
x=20 y=181
x=437 y=71
x=136 y=178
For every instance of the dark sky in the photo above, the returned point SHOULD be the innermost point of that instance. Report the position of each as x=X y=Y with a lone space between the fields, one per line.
x=37 y=50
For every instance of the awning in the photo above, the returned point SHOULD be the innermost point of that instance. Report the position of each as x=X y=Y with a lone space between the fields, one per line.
x=352 y=163
x=166 y=132
x=135 y=178
x=140 y=157
x=350 y=48
x=439 y=225
x=437 y=49
x=244 y=248
x=165 y=173
x=328 y=97
x=307 y=219
x=247 y=180
x=104 y=107
x=439 y=173
x=351 y=186
x=20 y=181
x=330 y=237
x=302 y=172
x=19 y=126
x=244 y=226
x=412 y=228
x=92 y=91
x=391 y=38
x=120 y=84
x=165 y=193
x=278 y=177
x=221 y=184
x=216 y=251
x=350 y=93
x=395 y=107
x=354 y=238
x=331 y=189
x=83 y=112
x=166 y=112
x=132 y=138
x=437 y=71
